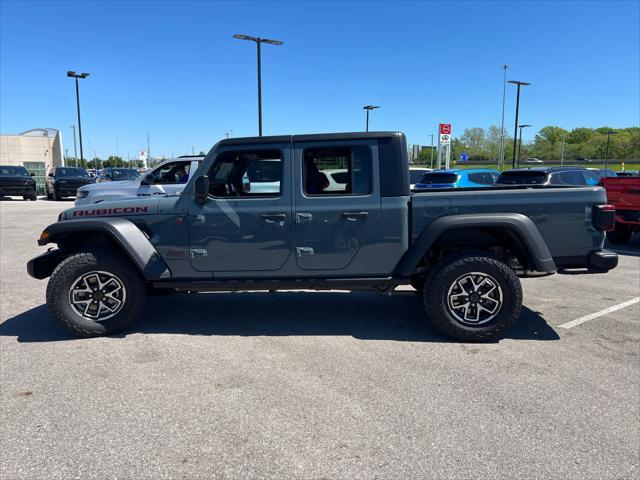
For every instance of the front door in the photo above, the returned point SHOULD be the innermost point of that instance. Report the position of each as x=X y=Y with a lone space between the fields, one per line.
x=337 y=204
x=245 y=224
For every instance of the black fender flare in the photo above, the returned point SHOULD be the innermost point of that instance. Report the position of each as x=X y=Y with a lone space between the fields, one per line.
x=124 y=232
x=521 y=226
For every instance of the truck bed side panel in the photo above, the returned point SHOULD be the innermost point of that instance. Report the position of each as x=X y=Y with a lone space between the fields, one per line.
x=562 y=215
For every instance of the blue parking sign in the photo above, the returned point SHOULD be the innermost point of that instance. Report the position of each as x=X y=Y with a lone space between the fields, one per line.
x=464 y=156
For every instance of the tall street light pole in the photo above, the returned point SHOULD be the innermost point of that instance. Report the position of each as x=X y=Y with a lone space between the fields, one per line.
x=562 y=151
x=72 y=74
x=515 y=129
x=258 y=42
x=606 y=154
x=505 y=67
x=520 y=141
x=75 y=148
x=368 y=108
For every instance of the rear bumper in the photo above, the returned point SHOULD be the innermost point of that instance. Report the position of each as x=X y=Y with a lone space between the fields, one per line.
x=603 y=260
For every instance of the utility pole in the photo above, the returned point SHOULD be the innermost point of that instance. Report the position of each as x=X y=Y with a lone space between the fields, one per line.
x=505 y=67
x=606 y=155
x=515 y=132
x=73 y=74
x=431 y=135
x=259 y=41
x=75 y=148
x=148 y=162
x=562 y=151
x=368 y=108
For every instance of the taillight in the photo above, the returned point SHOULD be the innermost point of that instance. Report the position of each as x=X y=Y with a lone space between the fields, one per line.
x=604 y=217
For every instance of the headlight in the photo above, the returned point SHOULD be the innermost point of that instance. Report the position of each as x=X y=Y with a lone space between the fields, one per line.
x=82 y=194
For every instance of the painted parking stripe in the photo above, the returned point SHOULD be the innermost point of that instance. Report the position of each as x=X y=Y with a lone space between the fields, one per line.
x=586 y=318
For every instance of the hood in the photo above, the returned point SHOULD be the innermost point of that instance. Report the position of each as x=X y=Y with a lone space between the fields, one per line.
x=97 y=187
x=120 y=208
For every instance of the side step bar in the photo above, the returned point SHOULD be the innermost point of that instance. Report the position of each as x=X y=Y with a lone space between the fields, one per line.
x=199 y=285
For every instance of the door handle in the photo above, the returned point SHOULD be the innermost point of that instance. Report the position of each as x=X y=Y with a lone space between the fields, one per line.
x=302 y=217
x=302 y=251
x=274 y=217
x=199 y=219
x=198 y=252
x=355 y=215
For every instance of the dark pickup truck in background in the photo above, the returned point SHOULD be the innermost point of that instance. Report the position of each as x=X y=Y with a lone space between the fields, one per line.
x=17 y=182
x=462 y=249
x=64 y=182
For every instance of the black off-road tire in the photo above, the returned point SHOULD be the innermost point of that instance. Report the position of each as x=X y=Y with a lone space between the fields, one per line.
x=30 y=197
x=70 y=269
x=443 y=276
x=621 y=235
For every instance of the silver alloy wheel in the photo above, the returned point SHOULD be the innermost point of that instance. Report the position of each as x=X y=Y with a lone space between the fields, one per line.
x=474 y=298
x=97 y=295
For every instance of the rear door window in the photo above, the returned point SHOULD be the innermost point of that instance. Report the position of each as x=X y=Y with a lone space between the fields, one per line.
x=337 y=171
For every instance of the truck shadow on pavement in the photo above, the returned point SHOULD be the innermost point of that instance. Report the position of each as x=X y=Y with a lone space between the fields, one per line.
x=361 y=315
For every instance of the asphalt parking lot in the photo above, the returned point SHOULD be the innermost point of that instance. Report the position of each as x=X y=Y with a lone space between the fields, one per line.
x=318 y=385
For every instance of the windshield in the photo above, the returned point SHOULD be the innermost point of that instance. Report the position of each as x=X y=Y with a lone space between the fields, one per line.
x=7 y=170
x=71 y=172
x=525 y=177
x=124 y=173
x=438 y=177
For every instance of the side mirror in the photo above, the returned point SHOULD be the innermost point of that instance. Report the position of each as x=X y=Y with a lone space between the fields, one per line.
x=146 y=180
x=201 y=188
x=31 y=174
x=50 y=175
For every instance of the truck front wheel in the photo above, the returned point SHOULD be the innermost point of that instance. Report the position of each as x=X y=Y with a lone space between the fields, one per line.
x=91 y=294
x=472 y=296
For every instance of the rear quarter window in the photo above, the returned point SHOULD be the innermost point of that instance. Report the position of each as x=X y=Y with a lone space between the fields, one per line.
x=483 y=178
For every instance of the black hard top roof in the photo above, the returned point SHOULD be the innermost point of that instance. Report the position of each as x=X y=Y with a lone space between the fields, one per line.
x=315 y=137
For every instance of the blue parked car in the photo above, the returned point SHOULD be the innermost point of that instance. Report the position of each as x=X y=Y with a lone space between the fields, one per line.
x=458 y=178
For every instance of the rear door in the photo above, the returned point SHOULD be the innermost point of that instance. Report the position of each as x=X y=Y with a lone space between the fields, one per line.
x=334 y=221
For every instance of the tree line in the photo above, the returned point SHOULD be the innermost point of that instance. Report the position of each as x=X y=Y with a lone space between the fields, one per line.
x=484 y=144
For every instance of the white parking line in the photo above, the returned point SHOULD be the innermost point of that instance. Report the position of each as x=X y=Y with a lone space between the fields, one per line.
x=591 y=316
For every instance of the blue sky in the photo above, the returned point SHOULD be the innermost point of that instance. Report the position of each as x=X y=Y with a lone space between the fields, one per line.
x=172 y=69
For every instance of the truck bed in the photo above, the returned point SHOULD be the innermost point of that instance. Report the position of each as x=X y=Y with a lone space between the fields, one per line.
x=559 y=213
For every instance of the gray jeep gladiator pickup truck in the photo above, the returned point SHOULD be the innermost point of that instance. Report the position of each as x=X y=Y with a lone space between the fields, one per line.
x=287 y=228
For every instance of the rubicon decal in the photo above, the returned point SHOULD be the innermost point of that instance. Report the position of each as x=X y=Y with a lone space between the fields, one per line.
x=110 y=211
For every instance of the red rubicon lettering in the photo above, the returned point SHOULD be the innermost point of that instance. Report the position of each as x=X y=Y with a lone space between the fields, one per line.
x=110 y=211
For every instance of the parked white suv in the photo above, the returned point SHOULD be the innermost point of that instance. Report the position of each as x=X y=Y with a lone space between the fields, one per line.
x=168 y=178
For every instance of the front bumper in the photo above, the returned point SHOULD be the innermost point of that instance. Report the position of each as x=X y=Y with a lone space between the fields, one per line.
x=603 y=260
x=17 y=190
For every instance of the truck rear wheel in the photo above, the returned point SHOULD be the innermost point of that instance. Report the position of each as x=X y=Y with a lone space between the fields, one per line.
x=621 y=234
x=91 y=294
x=472 y=296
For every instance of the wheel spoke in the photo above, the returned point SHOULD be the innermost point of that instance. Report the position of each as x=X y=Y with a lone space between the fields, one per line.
x=97 y=295
x=482 y=297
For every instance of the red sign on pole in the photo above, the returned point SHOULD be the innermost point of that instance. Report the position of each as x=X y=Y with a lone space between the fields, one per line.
x=445 y=129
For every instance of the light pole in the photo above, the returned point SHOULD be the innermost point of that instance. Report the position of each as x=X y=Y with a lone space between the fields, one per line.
x=562 y=151
x=431 y=135
x=75 y=75
x=515 y=130
x=502 y=135
x=368 y=108
x=606 y=154
x=259 y=41
x=75 y=148
x=520 y=141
